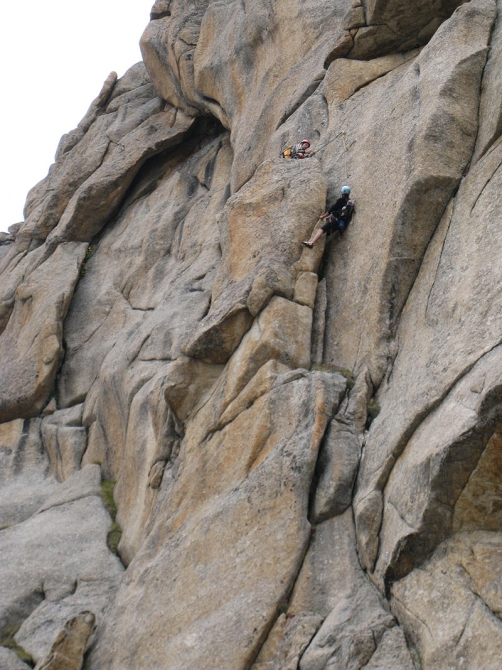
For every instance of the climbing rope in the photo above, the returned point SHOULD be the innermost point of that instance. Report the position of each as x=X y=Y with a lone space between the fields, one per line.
x=347 y=175
x=342 y=132
x=343 y=135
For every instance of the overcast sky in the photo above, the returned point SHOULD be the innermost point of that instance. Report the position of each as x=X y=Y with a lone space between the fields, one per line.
x=55 y=56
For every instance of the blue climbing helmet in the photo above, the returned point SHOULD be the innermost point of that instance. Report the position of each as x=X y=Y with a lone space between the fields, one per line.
x=346 y=190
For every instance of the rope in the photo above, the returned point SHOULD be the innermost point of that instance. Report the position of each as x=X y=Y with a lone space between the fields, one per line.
x=345 y=157
x=342 y=133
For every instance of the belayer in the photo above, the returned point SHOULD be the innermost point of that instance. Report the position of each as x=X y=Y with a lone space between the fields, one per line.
x=337 y=217
x=300 y=150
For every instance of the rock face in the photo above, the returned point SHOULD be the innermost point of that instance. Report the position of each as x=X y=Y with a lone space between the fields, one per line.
x=304 y=445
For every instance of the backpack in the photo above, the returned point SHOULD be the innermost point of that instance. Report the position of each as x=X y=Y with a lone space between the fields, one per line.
x=287 y=152
x=347 y=211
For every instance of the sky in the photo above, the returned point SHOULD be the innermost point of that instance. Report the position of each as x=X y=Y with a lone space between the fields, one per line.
x=54 y=58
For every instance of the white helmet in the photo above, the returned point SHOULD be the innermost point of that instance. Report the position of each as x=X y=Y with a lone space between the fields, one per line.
x=346 y=190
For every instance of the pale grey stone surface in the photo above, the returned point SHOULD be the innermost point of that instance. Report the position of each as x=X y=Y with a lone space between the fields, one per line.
x=65 y=440
x=395 y=25
x=31 y=343
x=490 y=123
x=460 y=625
x=54 y=565
x=9 y=660
x=54 y=559
x=445 y=331
x=298 y=633
x=371 y=270
x=356 y=627
x=24 y=471
x=336 y=471
x=319 y=323
x=258 y=260
x=425 y=483
x=92 y=173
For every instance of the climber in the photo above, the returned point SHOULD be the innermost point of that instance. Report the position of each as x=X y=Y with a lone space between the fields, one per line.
x=337 y=217
x=300 y=150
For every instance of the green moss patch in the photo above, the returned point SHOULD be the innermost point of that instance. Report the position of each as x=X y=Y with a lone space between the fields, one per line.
x=348 y=374
x=282 y=606
x=372 y=411
x=83 y=267
x=115 y=532
x=7 y=640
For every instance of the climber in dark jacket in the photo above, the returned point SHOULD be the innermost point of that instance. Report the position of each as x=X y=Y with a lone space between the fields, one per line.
x=337 y=217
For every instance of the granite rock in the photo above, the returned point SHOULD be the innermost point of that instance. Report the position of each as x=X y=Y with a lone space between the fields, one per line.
x=305 y=442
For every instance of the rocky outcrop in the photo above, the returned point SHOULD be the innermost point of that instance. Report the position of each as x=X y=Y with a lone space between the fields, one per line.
x=54 y=555
x=67 y=652
x=305 y=442
x=466 y=338
x=463 y=573
x=255 y=504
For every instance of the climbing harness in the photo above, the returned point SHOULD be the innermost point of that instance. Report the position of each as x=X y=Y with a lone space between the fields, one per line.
x=296 y=150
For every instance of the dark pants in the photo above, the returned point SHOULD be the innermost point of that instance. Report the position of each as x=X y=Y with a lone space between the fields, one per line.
x=332 y=225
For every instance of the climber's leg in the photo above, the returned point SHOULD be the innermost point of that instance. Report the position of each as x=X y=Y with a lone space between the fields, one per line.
x=313 y=240
x=327 y=229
